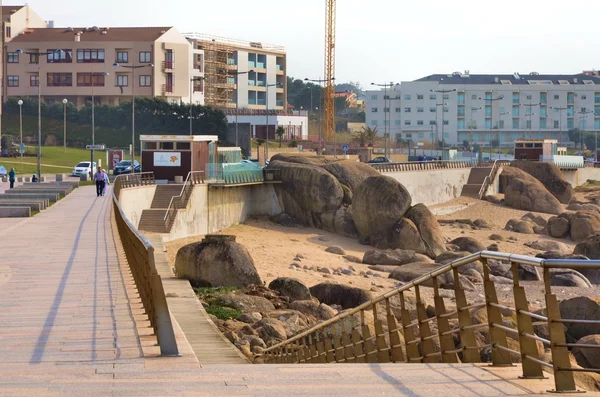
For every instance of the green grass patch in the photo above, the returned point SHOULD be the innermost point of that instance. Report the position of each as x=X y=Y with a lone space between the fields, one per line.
x=592 y=182
x=211 y=296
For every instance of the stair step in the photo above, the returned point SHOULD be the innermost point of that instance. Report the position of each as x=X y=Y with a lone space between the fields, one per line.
x=152 y=220
x=471 y=191
x=164 y=194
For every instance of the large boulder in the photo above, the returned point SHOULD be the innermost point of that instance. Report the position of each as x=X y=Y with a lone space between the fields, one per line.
x=549 y=245
x=580 y=308
x=429 y=229
x=298 y=159
x=550 y=176
x=392 y=257
x=468 y=244
x=522 y=191
x=589 y=247
x=245 y=303
x=291 y=288
x=404 y=235
x=378 y=203
x=588 y=357
x=584 y=224
x=559 y=226
x=412 y=271
x=337 y=294
x=568 y=278
x=351 y=173
x=216 y=261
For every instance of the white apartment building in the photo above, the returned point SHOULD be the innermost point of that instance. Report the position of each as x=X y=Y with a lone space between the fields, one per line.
x=462 y=107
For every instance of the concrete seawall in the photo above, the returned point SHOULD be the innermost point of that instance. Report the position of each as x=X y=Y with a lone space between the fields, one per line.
x=134 y=200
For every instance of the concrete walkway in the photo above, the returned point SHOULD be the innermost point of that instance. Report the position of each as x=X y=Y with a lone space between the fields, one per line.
x=71 y=325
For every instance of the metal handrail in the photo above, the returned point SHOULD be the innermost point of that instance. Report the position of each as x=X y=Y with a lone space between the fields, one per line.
x=140 y=258
x=347 y=338
x=423 y=165
x=491 y=177
x=180 y=201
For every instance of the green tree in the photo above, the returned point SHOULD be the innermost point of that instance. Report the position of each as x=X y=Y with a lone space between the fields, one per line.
x=280 y=132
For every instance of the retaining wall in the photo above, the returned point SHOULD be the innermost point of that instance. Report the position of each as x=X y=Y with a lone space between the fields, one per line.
x=134 y=200
x=432 y=187
x=579 y=176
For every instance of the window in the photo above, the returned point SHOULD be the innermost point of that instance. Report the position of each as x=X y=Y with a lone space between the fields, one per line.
x=446 y=96
x=386 y=97
x=13 y=81
x=597 y=97
x=398 y=110
x=529 y=97
x=66 y=56
x=374 y=123
x=386 y=122
x=419 y=96
x=515 y=124
x=528 y=110
x=373 y=97
x=420 y=110
x=60 y=79
x=461 y=111
x=373 y=110
x=515 y=111
x=34 y=80
x=516 y=99
x=556 y=97
x=461 y=98
x=167 y=145
x=488 y=124
x=90 y=56
x=432 y=109
x=528 y=125
x=145 y=57
x=473 y=97
x=419 y=122
x=146 y=81
x=543 y=124
x=8 y=32
x=13 y=57
x=407 y=97
x=461 y=124
x=570 y=124
x=583 y=110
x=446 y=109
x=432 y=96
x=502 y=110
x=446 y=122
x=90 y=79
x=184 y=146
x=386 y=110
x=570 y=111
x=421 y=135
x=34 y=58
x=407 y=122
x=556 y=124
x=150 y=145
x=406 y=110
x=431 y=122
x=584 y=97
x=501 y=124
x=122 y=57
x=570 y=97
x=398 y=122
x=543 y=97
x=122 y=80
x=543 y=111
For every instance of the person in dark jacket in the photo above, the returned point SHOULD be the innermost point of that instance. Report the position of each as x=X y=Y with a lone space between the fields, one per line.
x=11 y=177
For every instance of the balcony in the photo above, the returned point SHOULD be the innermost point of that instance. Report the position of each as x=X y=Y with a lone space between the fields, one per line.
x=261 y=83
x=260 y=65
x=168 y=65
x=251 y=64
x=168 y=89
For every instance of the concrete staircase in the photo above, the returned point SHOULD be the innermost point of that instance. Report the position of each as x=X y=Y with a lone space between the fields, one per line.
x=475 y=181
x=153 y=219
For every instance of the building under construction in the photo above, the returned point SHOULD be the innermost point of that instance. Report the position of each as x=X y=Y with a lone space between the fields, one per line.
x=241 y=74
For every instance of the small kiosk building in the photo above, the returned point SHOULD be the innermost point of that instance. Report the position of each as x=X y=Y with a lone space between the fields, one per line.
x=170 y=156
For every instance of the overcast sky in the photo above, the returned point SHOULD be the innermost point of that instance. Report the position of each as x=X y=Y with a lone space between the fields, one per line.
x=377 y=40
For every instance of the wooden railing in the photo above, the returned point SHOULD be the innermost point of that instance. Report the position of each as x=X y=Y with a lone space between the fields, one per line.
x=352 y=338
x=491 y=177
x=140 y=257
x=422 y=165
x=181 y=201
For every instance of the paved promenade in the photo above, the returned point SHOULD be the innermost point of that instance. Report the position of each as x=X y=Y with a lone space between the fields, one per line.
x=70 y=325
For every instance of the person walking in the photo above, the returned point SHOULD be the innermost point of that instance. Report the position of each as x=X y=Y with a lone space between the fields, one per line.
x=99 y=179
x=11 y=177
x=106 y=182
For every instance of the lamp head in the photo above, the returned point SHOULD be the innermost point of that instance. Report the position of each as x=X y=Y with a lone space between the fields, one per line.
x=60 y=51
x=150 y=65
x=64 y=101
x=20 y=102
x=116 y=65
x=19 y=51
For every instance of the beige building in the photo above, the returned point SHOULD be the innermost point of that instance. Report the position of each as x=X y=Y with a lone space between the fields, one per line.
x=242 y=74
x=153 y=62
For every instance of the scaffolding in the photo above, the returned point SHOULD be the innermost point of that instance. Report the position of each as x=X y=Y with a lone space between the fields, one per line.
x=219 y=82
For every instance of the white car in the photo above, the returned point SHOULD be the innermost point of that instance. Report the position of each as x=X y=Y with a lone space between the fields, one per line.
x=83 y=168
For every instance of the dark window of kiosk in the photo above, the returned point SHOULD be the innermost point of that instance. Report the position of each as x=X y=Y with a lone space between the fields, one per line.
x=184 y=146
x=167 y=145
x=150 y=145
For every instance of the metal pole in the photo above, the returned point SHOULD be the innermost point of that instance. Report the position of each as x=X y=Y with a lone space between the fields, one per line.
x=267 y=135
x=237 y=104
x=93 y=125
x=21 y=133
x=39 y=153
x=65 y=126
x=133 y=120
x=191 y=105
x=385 y=115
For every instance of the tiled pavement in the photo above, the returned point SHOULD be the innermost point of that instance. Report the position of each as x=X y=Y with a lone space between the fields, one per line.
x=69 y=328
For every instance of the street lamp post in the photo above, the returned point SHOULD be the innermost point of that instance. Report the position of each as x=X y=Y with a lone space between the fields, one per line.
x=38 y=55
x=500 y=132
x=559 y=110
x=386 y=118
x=443 y=92
x=21 y=131
x=267 y=106
x=133 y=69
x=491 y=101
x=64 y=101
x=437 y=131
x=582 y=130
x=531 y=114
x=237 y=103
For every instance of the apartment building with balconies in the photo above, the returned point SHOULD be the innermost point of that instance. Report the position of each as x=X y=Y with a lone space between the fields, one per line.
x=110 y=64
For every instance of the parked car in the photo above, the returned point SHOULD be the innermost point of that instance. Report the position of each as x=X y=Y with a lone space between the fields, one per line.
x=2 y=171
x=83 y=168
x=124 y=167
x=379 y=160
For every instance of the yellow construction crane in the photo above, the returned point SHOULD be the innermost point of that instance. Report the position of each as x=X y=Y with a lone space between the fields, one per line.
x=329 y=97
